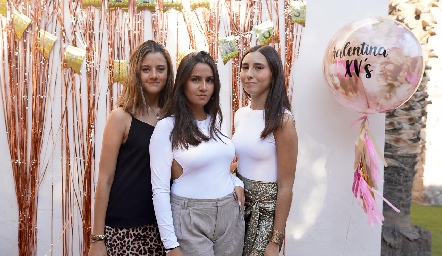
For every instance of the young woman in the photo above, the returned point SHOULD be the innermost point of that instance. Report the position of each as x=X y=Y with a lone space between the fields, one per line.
x=199 y=214
x=124 y=217
x=266 y=145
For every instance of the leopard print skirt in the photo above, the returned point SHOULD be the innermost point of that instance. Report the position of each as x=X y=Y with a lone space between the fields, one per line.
x=137 y=241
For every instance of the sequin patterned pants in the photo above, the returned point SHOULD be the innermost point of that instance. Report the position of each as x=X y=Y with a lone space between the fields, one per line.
x=259 y=214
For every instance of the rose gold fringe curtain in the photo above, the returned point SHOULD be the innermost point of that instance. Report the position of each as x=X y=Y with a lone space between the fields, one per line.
x=24 y=94
x=51 y=109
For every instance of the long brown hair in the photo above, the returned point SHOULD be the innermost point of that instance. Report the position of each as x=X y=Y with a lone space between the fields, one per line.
x=185 y=131
x=132 y=97
x=277 y=100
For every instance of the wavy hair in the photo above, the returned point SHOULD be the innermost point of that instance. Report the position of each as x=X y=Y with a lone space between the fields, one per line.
x=185 y=131
x=132 y=97
x=277 y=100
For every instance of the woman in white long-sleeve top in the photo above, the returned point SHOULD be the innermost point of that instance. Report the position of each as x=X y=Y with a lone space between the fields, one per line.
x=201 y=213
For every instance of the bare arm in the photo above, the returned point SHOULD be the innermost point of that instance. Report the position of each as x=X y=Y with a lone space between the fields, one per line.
x=287 y=152
x=115 y=133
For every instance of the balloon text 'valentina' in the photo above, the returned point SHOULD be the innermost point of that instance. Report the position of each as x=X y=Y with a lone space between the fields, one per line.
x=362 y=49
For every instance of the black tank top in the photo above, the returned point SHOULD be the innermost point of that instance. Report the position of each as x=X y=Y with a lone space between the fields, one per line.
x=130 y=200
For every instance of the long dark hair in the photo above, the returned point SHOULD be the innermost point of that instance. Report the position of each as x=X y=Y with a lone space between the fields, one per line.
x=132 y=97
x=277 y=100
x=185 y=131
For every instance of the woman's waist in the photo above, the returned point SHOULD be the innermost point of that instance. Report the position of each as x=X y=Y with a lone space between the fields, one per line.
x=259 y=191
x=203 y=187
x=195 y=202
x=258 y=173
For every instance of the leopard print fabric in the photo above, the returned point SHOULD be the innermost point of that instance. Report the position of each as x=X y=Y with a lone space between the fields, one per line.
x=137 y=241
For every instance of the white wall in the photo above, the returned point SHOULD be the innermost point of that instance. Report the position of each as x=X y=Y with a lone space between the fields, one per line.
x=325 y=218
x=433 y=161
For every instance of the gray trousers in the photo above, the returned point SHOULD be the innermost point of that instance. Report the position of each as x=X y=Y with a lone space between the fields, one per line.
x=208 y=227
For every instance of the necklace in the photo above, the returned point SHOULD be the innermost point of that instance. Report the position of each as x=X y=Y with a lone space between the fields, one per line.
x=156 y=114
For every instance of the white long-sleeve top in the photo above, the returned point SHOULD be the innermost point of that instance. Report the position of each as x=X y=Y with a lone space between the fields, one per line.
x=206 y=172
x=256 y=156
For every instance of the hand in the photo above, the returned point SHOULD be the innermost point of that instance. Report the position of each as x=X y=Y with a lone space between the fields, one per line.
x=233 y=166
x=175 y=252
x=97 y=249
x=272 y=249
x=239 y=191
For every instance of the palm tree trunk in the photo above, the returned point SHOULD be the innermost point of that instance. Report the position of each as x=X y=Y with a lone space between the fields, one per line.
x=404 y=148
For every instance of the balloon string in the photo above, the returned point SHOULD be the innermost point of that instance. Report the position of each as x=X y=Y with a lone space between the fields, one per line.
x=383 y=198
x=362 y=118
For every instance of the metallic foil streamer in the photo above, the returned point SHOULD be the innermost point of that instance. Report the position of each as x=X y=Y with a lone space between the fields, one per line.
x=24 y=91
x=78 y=126
x=20 y=23
x=120 y=70
x=204 y=22
x=190 y=24
x=128 y=34
x=45 y=42
x=157 y=24
x=93 y=64
x=275 y=41
x=172 y=5
x=211 y=29
x=149 y=5
x=4 y=7
x=228 y=48
x=195 y=4
x=95 y=3
x=298 y=10
x=292 y=43
x=264 y=32
x=74 y=57
x=241 y=15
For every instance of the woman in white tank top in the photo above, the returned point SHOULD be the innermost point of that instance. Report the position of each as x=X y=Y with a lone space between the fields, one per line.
x=266 y=145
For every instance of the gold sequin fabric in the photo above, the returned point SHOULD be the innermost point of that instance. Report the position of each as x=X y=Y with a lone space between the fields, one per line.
x=259 y=214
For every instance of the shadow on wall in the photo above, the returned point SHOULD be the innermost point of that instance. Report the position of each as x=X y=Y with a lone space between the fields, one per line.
x=309 y=190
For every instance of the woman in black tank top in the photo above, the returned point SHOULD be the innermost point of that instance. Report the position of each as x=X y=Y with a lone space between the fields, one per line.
x=124 y=219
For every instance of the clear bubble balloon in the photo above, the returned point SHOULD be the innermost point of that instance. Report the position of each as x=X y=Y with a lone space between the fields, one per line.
x=373 y=65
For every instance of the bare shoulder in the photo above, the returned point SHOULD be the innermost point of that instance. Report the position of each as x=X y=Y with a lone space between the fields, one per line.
x=119 y=115
x=119 y=119
x=288 y=122
x=287 y=130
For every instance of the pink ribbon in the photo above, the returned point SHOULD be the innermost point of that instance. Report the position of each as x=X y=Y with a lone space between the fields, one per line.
x=362 y=118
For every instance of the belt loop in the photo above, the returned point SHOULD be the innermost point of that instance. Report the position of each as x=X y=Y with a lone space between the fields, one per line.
x=185 y=204
x=235 y=196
